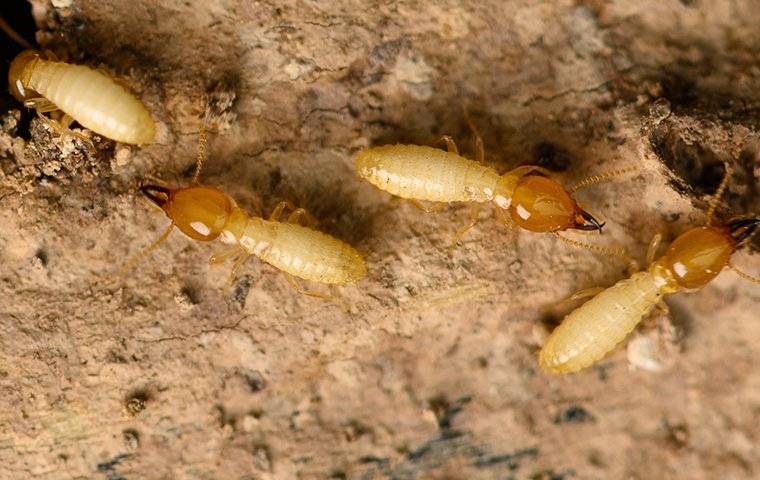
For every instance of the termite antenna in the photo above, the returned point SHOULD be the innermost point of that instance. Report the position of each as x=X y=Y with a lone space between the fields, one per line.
x=743 y=274
x=619 y=252
x=602 y=177
x=201 y=151
x=130 y=264
x=14 y=35
x=719 y=193
x=477 y=139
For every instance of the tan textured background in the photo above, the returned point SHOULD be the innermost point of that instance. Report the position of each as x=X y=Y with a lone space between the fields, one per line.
x=162 y=375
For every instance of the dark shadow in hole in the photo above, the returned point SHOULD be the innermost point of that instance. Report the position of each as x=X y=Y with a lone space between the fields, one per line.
x=552 y=157
x=18 y=15
x=698 y=170
x=42 y=256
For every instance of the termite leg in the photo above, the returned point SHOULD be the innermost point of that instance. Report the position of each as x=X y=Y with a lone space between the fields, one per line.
x=654 y=245
x=277 y=212
x=474 y=213
x=130 y=264
x=225 y=254
x=451 y=145
x=299 y=213
x=42 y=105
x=619 y=252
x=297 y=286
x=528 y=169
x=588 y=181
x=503 y=218
x=64 y=124
x=662 y=308
x=431 y=207
x=719 y=193
x=60 y=127
x=236 y=266
x=580 y=295
x=480 y=153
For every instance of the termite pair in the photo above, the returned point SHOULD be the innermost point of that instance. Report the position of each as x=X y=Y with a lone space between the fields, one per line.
x=697 y=256
x=206 y=213
x=83 y=94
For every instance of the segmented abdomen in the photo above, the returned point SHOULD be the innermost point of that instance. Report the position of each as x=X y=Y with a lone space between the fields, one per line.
x=303 y=252
x=596 y=327
x=94 y=100
x=426 y=173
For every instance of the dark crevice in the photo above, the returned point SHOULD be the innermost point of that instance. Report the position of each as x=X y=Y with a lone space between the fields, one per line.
x=18 y=15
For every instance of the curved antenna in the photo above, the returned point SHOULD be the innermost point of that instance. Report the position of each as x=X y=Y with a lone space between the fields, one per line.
x=4 y=26
x=201 y=152
x=588 y=181
x=135 y=259
x=619 y=252
x=743 y=274
x=719 y=193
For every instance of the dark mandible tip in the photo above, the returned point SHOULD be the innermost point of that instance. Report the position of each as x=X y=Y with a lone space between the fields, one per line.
x=591 y=223
x=156 y=193
x=743 y=229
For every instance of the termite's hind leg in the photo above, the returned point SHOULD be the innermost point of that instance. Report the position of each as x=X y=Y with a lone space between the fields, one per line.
x=451 y=145
x=593 y=179
x=580 y=295
x=428 y=207
x=302 y=213
x=64 y=124
x=297 y=287
x=474 y=216
x=277 y=212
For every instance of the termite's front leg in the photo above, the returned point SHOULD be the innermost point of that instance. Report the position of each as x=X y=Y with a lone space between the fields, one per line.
x=474 y=216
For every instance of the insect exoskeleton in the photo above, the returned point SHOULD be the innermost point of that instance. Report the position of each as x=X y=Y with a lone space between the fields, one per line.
x=533 y=200
x=593 y=330
x=205 y=213
x=83 y=94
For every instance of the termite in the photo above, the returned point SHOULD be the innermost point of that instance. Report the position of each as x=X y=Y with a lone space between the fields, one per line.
x=83 y=94
x=526 y=196
x=696 y=257
x=206 y=213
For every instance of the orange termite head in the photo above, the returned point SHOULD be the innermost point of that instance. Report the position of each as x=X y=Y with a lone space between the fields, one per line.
x=19 y=73
x=199 y=212
x=698 y=255
x=540 y=204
